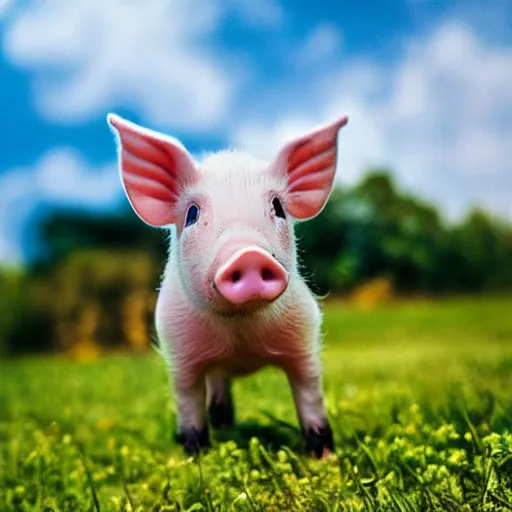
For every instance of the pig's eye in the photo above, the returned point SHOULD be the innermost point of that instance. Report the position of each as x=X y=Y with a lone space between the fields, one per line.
x=192 y=215
x=278 y=208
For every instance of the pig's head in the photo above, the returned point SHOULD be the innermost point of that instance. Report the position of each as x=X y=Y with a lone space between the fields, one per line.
x=234 y=215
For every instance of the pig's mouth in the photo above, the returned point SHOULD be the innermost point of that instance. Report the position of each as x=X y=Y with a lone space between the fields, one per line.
x=248 y=280
x=229 y=311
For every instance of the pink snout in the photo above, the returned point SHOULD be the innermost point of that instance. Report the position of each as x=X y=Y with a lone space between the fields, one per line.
x=251 y=274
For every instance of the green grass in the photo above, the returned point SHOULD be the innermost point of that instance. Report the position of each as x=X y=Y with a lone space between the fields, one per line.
x=419 y=396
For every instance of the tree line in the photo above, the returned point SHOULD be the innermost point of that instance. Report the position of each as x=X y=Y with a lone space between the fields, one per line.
x=94 y=285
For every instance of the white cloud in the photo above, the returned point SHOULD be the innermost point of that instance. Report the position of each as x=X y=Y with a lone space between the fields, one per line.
x=322 y=43
x=261 y=13
x=61 y=178
x=92 y=56
x=4 y=6
x=441 y=117
x=440 y=114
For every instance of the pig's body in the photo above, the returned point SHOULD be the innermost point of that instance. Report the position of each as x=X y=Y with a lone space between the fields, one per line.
x=232 y=300
x=283 y=336
x=201 y=346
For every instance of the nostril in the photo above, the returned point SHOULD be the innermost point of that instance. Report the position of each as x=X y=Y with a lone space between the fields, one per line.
x=250 y=275
x=267 y=274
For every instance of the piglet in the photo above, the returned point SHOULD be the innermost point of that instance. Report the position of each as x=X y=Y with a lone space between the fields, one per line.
x=232 y=300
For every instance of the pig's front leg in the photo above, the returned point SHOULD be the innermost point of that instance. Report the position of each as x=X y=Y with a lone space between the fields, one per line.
x=307 y=392
x=220 y=400
x=190 y=400
x=185 y=345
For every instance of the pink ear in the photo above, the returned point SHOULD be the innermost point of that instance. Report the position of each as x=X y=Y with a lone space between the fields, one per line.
x=153 y=170
x=310 y=165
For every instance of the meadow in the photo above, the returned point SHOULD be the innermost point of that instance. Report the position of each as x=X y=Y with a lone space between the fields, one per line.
x=419 y=395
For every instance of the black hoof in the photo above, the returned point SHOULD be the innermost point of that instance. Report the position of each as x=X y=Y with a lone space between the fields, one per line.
x=222 y=414
x=319 y=443
x=193 y=440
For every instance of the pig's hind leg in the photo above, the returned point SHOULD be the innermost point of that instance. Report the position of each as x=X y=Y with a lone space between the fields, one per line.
x=219 y=400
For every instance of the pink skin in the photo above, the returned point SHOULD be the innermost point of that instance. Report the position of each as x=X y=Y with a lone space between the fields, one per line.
x=211 y=350
x=251 y=275
x=232 y=300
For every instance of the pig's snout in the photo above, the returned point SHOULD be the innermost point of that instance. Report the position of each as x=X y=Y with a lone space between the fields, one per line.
x=251 y=275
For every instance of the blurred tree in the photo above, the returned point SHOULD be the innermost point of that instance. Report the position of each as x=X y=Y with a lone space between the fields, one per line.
x=27 y=322
x=94 y=285
x=11 y=304
x=94 y=267
x=403 y=235
x=320 y=242
x=64 y=232
x=369 y=231
x=104 y=297
x=479 y=254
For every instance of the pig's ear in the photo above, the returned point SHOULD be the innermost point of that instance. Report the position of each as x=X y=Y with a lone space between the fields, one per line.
x=153 y=169
x=309 y=164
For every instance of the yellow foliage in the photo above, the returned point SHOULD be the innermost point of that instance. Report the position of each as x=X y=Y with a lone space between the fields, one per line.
x=85 y=351
x=88 y=323
x=372 y=293
x=104 y=299
x=11 y=298
x=105 y=423
x=135 y=320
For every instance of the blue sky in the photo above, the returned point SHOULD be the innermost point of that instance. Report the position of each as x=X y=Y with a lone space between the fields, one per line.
x=427 y=86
